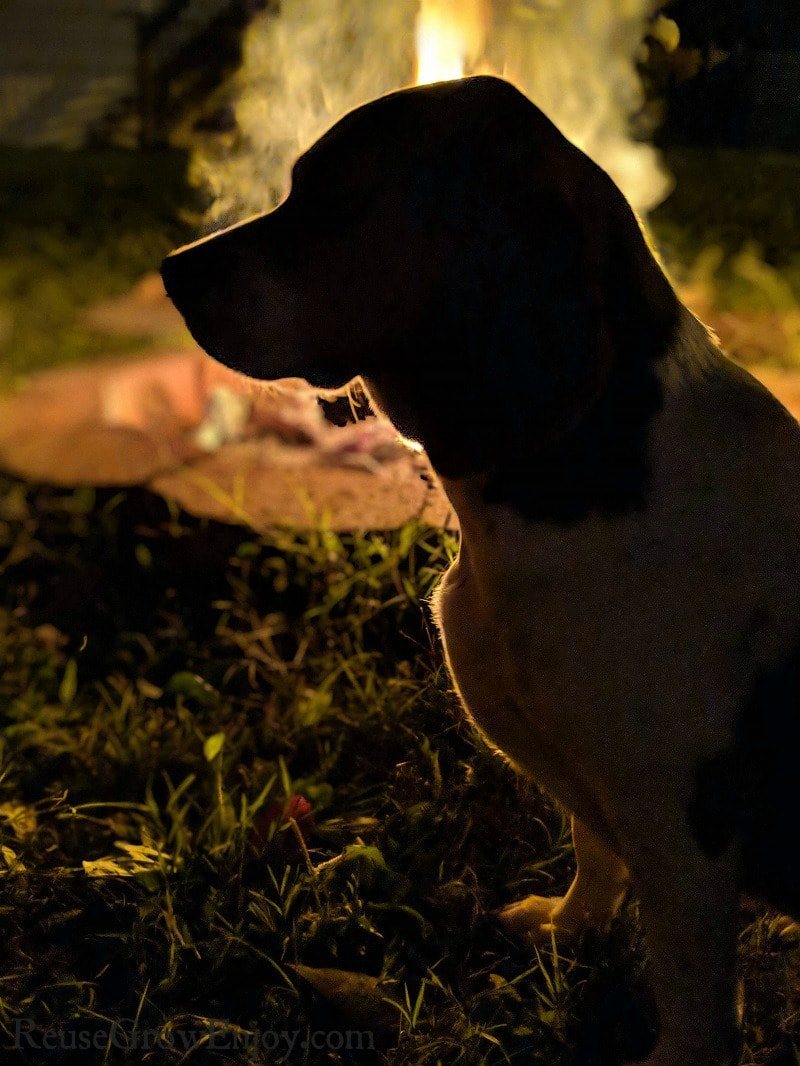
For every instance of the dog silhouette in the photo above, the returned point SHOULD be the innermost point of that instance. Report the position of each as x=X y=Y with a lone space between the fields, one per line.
x=622 y=619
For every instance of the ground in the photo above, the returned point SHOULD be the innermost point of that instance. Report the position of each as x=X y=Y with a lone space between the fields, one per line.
x=234 y=773
x=225 y=756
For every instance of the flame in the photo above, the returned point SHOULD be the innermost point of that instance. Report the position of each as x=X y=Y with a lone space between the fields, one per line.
x=317 y=59
x=450 y=38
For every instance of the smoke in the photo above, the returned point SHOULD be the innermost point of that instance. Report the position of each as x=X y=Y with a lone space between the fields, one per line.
x=576 y=60
x=301 y=71
x=317 y=59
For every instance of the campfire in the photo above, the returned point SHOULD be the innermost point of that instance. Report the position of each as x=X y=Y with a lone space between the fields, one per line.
x=450 y=38
x=305 y=68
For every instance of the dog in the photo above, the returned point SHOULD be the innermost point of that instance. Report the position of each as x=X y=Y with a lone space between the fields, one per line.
x=622 y=620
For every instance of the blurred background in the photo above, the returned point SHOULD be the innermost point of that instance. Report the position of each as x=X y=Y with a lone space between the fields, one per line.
x=127 y=126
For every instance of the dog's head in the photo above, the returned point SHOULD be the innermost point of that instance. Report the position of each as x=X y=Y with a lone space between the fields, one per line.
x=450 y=246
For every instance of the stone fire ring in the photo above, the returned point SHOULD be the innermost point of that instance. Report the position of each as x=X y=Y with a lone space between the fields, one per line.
x=135 y=422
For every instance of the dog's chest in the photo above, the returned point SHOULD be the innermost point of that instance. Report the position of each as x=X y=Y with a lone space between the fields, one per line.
x=615 y=649
x=522 y=616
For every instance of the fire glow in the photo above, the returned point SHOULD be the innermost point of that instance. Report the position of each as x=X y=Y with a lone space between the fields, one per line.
x=306 y=66
x=450 y=38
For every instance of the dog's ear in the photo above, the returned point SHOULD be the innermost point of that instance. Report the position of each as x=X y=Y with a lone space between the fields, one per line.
x=579 y=294
x=547 y=300
x=572 y=287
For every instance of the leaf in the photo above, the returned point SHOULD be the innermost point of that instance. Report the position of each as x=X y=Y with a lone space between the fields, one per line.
x=185 y=683
x=366 y=861
x=12 y=861
x=357 y=995
x=69 y=683
x=21 y=820
x=314 y=709
x=148 y=690
x=213 y=746
x=248 y=549
x=365 y=853
x=136 y=860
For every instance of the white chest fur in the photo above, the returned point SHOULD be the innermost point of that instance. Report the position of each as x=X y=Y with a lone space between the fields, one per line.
x=606 y=657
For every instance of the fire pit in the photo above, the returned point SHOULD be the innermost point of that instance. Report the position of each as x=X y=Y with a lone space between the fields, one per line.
x=203 y=436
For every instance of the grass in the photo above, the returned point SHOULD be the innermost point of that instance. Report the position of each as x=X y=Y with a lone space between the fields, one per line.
x=170 y=686
x=76 y=228
x=728 y=197
x=229 y=762
x=225 y=756
x=733 y=221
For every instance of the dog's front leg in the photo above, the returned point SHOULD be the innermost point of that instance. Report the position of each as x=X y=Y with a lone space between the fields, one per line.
x=592 y=901
x=689 y=905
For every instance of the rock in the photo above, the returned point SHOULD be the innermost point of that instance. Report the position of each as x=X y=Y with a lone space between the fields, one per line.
x=136 y=422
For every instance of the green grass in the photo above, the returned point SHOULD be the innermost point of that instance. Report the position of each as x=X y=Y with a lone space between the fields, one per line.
x=76 y=228
x=169 y=686
x=726 y=197
x=730 y=201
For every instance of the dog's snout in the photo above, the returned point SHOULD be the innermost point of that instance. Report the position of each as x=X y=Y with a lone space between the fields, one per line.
x=186 y=274
x=170 y=275
x=199 y=280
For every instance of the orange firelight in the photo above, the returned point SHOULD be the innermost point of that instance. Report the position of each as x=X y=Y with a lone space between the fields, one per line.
x=450 y=38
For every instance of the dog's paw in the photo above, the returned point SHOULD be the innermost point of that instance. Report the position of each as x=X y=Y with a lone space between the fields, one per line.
x=534 y=920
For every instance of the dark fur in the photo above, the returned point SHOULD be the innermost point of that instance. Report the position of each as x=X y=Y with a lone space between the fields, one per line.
x=570 y=283
x=749 y=790
x=622 y=620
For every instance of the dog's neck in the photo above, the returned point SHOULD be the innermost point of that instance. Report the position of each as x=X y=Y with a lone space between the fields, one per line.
x=600 y=465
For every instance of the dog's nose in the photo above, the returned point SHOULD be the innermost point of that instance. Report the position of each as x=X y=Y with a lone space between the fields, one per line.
x=208 y=269
x=199 y=279
x=181 y=273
